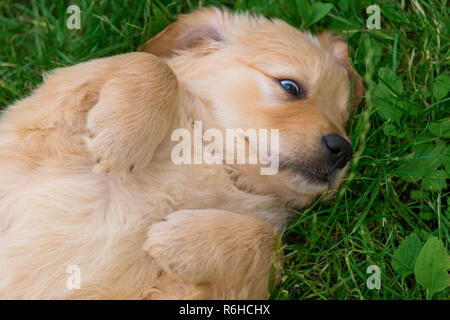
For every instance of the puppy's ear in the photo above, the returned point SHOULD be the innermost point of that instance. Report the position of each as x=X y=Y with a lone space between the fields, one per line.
x=189 y=30
x=338 y=47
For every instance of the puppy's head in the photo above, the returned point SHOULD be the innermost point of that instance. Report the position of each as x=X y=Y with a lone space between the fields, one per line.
x=252 y=72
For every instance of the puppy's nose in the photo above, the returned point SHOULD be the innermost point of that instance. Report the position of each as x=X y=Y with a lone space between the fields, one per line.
x=338 y=150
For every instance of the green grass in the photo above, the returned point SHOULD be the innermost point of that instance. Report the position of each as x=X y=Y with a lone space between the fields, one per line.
x=398 y=180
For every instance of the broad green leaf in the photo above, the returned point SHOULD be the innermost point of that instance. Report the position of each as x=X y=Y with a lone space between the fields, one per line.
x=446 y=161
x=405 y=256
x=159 y=21
x=441 y=86
x=432 y=265
x=419 y=194
x=424 y=235
x=384 y=96
x=424 y=162
x=288 y=14
x=319 y=10
x=391 y=130
x=435 y=181
x=444 y=153
x=426 y=215
x=304 y=11
x=440 y=128
x=411 y=109
x=387 y=107
x=423 y=140
x=390 y=80
x=343 y=4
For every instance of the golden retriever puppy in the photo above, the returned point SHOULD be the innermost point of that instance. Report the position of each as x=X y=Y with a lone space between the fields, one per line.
x=92 y=203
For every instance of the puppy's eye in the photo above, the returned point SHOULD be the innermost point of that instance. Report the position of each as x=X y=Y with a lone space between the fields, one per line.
x=292 y=87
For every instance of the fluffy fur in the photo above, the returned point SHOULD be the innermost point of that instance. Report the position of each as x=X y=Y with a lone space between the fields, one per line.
x=86 y=177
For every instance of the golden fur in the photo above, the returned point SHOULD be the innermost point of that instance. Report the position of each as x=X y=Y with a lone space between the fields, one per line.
x=86 y=177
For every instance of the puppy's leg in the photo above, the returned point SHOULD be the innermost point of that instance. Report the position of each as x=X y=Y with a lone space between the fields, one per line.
x=229 y=253
x=126 y=101
x=132 y=115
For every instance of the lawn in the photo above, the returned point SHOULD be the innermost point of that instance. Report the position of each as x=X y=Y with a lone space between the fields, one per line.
x=393 y=209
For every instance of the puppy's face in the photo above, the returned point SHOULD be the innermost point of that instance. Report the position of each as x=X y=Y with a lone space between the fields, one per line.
x=256 y=73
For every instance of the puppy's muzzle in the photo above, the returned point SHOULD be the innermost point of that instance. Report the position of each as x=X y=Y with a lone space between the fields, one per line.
x=334 y=154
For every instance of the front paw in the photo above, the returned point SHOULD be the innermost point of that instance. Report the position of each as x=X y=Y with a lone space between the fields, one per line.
x=164 y=243
x=122 y=133
x=132 y=115
x=183 y=244
x=110 y=149
x=212 y=245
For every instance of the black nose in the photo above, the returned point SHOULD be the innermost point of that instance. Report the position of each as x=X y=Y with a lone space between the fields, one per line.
x=338 y=150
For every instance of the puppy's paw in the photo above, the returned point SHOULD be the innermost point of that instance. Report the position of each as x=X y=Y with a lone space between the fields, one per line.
x=163 y=243
x=112 y=147
x=179 y=244
x=211 y=245
x=132 y=115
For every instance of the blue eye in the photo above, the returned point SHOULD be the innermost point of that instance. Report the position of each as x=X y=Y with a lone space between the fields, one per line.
x=291 y=87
